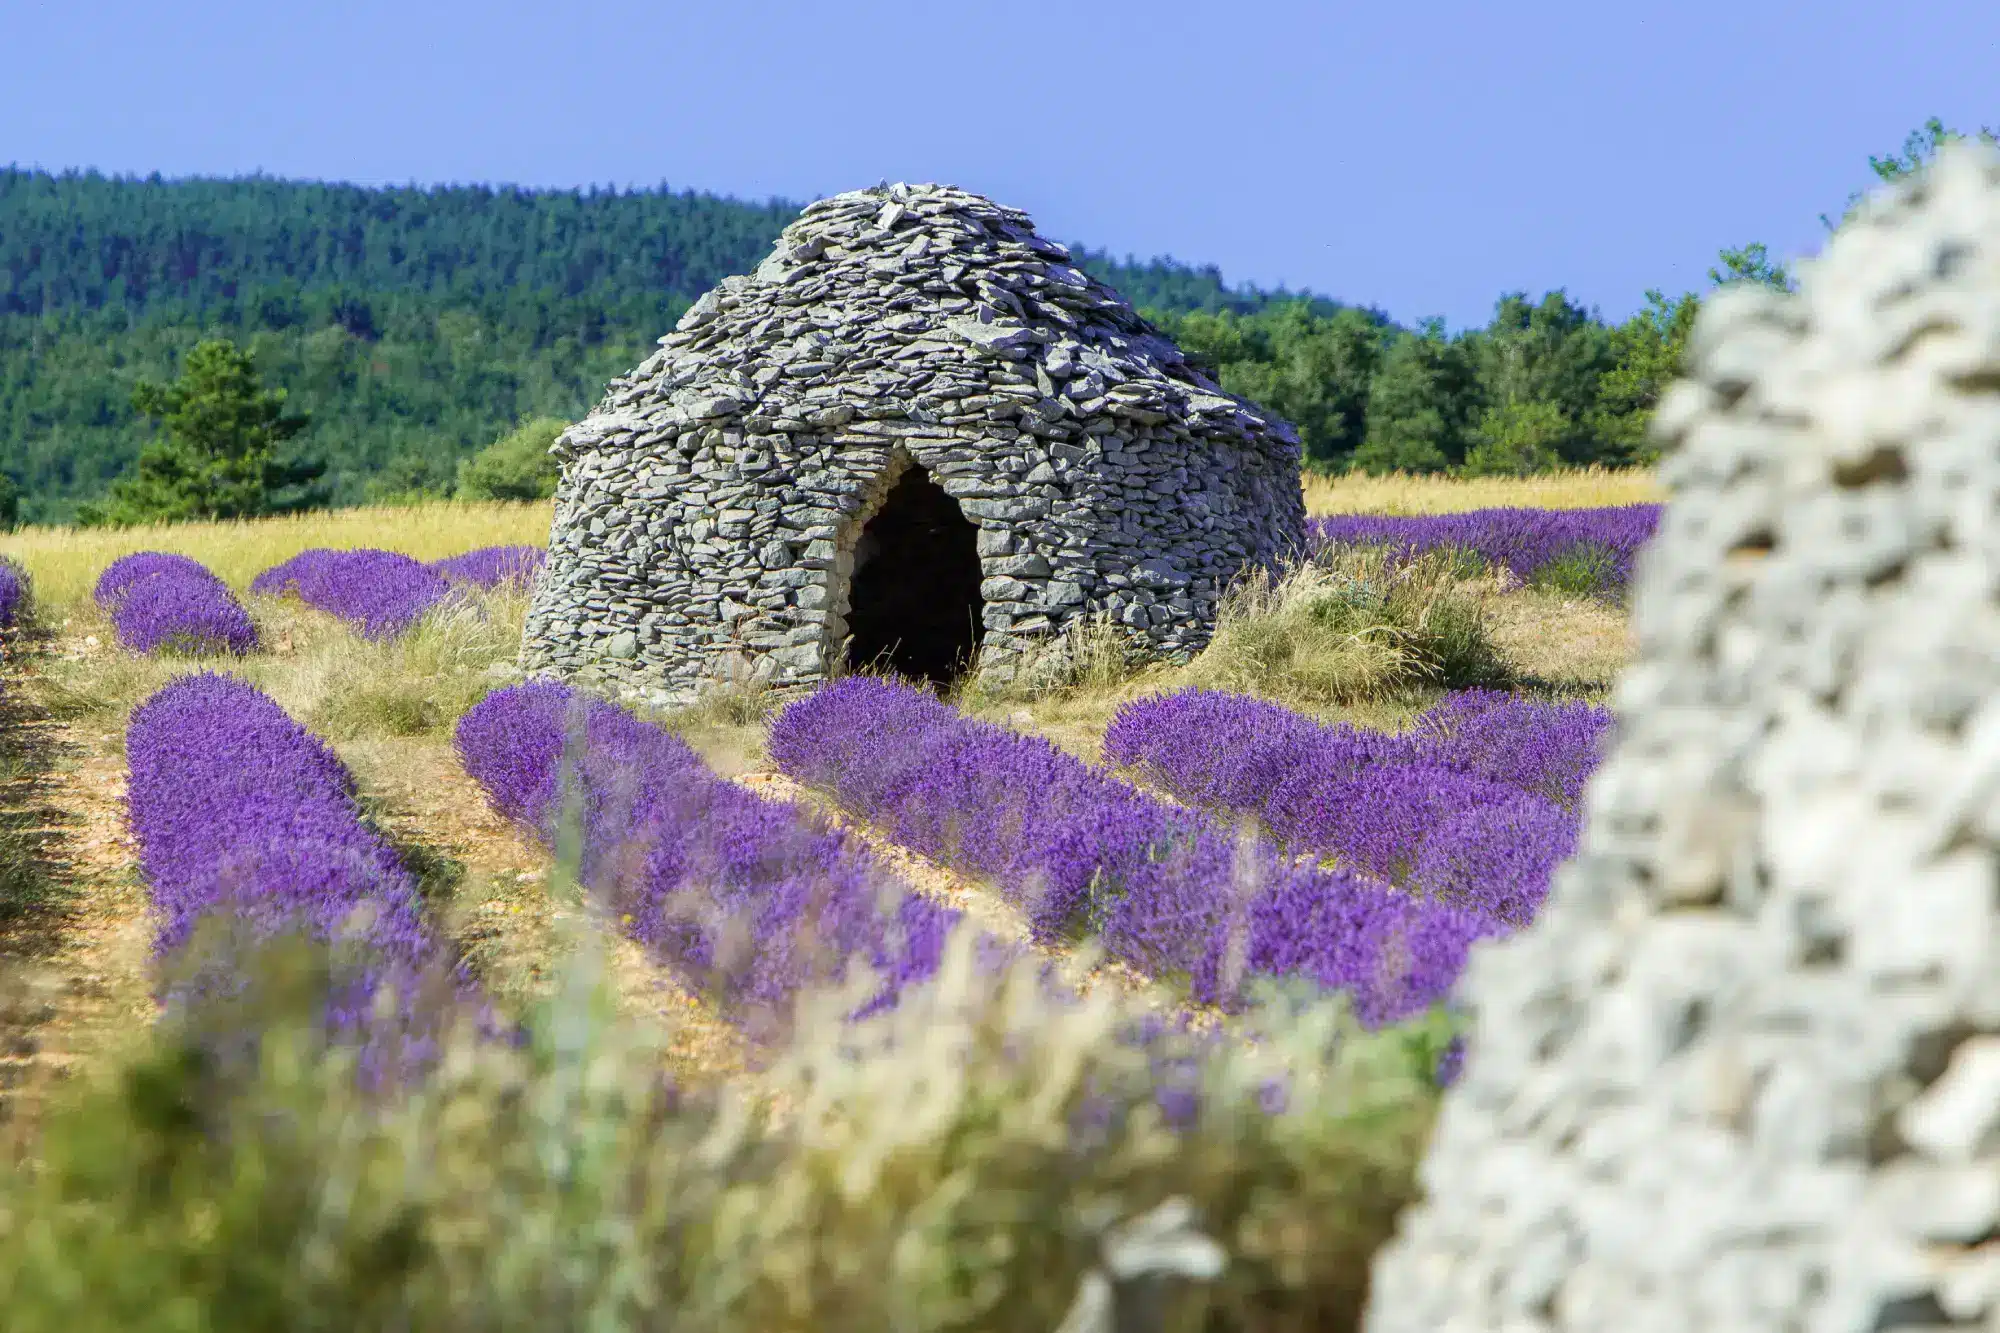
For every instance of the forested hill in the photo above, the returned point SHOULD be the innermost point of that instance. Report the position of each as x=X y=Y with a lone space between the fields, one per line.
x=87 y=241
x=415 y=324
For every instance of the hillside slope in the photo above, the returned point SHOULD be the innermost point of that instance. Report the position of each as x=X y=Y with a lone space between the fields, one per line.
x=415 y=324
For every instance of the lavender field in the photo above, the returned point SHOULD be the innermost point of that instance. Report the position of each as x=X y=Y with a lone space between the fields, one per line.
x=1577 y=550
x=872 y=973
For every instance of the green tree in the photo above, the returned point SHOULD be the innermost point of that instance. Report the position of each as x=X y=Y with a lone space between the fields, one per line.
x=516 y=466
x=1647 y=354
x=1317 y=376
x=218 y=457
x=1552 y=353
x=1519 y=437
x=1421 y=404
x=1919 y=148
x=1311 y=367
x=10 y=502
x=410 y=478
x=1752 y=263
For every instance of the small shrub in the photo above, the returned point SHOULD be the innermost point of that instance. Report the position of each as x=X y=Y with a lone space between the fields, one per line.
x=516 y=466
x=1360 y=624
x=1584 y=570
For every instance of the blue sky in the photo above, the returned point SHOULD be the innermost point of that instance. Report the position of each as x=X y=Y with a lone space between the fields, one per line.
x=1420 y=157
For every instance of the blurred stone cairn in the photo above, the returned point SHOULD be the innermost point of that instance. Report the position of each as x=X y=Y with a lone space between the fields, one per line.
x=1744 y=1072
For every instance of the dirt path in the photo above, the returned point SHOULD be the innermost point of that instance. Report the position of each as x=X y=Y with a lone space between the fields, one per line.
x=78 y=960
x=502 y=913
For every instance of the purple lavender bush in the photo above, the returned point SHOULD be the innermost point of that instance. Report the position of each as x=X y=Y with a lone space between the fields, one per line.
x=1082 y=852
x=160 y=601
x=381 y=593
x=245 y=819
x=13 y=593
x=121 y=574
x=1475 y=805
x=740 y=895
x=1580 y=550
x=492 y=566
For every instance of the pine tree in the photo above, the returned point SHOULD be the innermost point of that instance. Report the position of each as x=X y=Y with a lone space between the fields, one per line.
x=218 y=456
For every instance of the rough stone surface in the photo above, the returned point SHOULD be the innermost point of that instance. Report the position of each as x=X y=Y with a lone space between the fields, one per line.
x=1743 y=1073
x=710 y=506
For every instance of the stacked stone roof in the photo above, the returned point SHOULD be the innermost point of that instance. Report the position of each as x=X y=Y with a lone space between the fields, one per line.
x=1744 y=1072
x=903 y=325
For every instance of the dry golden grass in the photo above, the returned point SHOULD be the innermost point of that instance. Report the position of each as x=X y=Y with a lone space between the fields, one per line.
x=65 y=562
x=1575 y=645
x=1359 y=640
x=1404 y=493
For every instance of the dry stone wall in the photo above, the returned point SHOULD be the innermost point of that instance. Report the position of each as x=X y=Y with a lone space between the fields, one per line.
x=709 y=507
x=1744 y=1073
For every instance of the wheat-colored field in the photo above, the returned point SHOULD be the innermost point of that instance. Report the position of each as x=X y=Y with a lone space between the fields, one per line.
x=65 y=562
x=1404 y=493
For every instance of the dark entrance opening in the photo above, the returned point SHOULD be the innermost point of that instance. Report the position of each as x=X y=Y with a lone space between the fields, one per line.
x=914 y=604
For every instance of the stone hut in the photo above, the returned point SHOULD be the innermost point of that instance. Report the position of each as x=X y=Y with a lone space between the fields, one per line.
x=1743 y=1074
x=916 y=436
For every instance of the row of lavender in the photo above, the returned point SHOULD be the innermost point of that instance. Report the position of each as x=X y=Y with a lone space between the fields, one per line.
x=159 y=600
x=1583 y=550
x=383 y=593
x=244 y=818
x=1475 y=805
x=13 y=594
x=745 y=898
x=243 y=815
x=1166 y=889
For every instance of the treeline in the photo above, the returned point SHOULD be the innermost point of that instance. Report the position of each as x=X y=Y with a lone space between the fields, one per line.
x=1545 y=384
x=415 y=326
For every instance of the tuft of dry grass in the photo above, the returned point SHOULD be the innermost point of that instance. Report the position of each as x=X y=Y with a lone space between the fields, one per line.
x=416 y=684
x=1356 y=635
x=65 y=562
x=1407 y=493
x=1570 y=644
x=1357 y=627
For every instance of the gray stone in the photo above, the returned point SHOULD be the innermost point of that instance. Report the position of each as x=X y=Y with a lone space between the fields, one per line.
x=719 y=493
x=1957 y=1117
x=1746 y=1059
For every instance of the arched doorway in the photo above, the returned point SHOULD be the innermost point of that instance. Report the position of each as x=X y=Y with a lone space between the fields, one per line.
x=913 y=603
